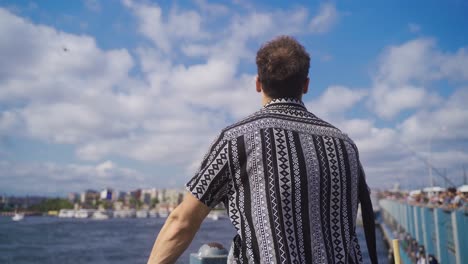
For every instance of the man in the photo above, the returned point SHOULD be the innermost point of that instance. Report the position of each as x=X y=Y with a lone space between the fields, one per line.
x=290 y=181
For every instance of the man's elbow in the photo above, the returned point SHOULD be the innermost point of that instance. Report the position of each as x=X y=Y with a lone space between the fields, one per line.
x=180 y=224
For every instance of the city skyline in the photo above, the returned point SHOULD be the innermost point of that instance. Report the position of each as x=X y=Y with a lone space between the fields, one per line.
x=131 y=93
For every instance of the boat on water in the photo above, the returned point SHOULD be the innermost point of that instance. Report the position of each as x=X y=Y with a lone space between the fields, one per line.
x=100 y=215
x=124 y=213
x=142 y=214
x=153 y=214
x=18 y=217
x=66 y=213
x=214 y=217
x=163 y=213
x=217 y=215
x=83 y=213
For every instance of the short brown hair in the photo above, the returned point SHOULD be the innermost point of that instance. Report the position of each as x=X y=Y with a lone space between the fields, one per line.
x=283 y=67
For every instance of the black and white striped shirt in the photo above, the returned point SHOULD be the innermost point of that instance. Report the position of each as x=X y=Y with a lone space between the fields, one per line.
x=291 y=183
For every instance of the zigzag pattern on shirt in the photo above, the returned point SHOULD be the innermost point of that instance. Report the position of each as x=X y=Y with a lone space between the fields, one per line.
x=297 y=201
x=272 y=194
x=335 y=201
x=258 y=201
x=347 y=237
x=325 y=197
x=313 y=177
x=237 y=178
x=283 y=163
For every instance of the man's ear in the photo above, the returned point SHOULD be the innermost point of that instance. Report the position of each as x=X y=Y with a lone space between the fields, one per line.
x=305 y=89
x=258 y=85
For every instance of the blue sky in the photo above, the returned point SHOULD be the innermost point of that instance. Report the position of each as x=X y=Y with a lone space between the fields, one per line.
x=129 y=94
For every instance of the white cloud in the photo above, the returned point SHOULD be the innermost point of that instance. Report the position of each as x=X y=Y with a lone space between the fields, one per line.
x=389 y=101
x=455 y=66
x=326 y=18
x=8 y=122
x=404 y=81
x=62 y=88
x=447 y=122
x=105 y=169
x=212 y=8
x=234 y=42
x=391 y=155
x=412 y=61
x=164 y=29
x=399 y=153
x=336 y=100
x=419 y=60
x=41 y=63
x=56 y=179
x=405 y=71
x=71 y=123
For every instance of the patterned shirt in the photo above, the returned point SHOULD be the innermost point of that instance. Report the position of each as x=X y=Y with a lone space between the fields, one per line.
x=291 y=184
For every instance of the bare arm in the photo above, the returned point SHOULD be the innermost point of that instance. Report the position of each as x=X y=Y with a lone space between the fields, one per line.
x=179 y=230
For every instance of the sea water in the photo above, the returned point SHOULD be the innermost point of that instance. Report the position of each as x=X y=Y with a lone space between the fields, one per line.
x=53 y=240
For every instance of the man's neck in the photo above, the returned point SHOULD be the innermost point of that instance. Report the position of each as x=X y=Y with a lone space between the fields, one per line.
x=266 y=99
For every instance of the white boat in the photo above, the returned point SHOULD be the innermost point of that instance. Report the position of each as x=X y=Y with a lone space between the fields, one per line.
x=142 y=214
x=66 y=213
x=217 y=215
x=100 y=215
x=83 y=213
x=163 y=213
x=124 y=213
x=214 y=217
x=153 y=214
x=18 y=217
x=118 y=214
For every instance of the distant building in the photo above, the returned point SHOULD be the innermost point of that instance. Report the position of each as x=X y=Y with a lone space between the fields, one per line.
x=118 y=195
x=89 y=197
x=147 y=195
x=2 y=202
x=171 y=197
x=136 y=194
x=106 y=194
x=24 y=202
x=73 y=197
x=162 y=196
x=118 y=205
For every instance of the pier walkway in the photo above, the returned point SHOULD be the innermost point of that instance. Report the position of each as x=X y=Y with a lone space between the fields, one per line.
x=443 y=233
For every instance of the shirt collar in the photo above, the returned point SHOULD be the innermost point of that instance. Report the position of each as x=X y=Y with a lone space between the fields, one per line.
x=285 y=102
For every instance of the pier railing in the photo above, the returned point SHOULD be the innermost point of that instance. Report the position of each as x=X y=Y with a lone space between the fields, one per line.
x=444 y=233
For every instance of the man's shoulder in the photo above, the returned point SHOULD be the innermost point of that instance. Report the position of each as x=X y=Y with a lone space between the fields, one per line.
x=264 y=119
x=239 y=125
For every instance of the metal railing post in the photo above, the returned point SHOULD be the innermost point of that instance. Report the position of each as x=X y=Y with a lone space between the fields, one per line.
x=441 y=235
x=211 y=253
x=460 y=227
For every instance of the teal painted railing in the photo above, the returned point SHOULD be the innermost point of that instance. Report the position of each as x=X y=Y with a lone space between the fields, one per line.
x=442 y=232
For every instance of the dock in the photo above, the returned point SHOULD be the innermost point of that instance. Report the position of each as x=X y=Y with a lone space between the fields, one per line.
x=435 y=232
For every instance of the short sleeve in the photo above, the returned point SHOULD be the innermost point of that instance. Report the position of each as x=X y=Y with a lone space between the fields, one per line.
x=368 y=217
x=210 y=183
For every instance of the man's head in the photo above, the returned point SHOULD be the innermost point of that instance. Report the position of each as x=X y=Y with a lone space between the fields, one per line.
x=283 y=68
